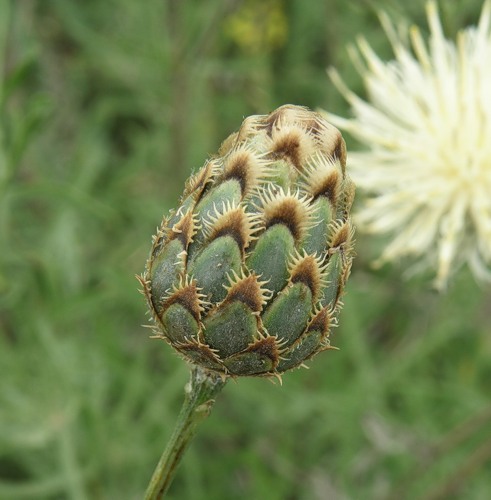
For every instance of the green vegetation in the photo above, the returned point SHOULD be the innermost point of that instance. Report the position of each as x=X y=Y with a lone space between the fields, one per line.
x=105 y=108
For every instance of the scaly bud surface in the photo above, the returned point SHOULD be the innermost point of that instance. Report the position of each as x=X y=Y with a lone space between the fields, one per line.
x=246 y=276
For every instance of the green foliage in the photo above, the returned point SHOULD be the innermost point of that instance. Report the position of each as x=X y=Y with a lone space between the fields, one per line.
x=105 y=108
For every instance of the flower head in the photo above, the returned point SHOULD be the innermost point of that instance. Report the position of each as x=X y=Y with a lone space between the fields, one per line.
x=246 y=276
x=427 y=126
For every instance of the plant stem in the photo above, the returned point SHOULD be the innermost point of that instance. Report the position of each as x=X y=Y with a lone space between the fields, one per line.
x=200 y=392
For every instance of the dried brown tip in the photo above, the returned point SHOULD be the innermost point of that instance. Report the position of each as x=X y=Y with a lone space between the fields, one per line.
x=249 y=290
x=232 y=221
x=228 y=144
x=251 y=125
x=188 y=295
x=347 y=199
x=147 y=292
x=200 y=354
x=268 y=122
x=159 y=238
x=292 y=143
x=341 y=236
x=184 y=229
x=308 y=269
x=287 y=114
x=321 y=322
x=246 y=167
x=331 y=141
x=292 y=210
x=266 y=346
x=196 y=184
x=323 y=177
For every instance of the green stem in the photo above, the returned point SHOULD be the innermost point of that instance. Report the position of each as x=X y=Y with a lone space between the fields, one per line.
x=199 y=399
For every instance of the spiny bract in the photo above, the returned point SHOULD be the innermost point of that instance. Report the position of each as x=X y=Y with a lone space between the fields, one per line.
x=245 y=277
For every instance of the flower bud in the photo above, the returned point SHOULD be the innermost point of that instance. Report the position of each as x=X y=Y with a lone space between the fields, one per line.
x=246 y=276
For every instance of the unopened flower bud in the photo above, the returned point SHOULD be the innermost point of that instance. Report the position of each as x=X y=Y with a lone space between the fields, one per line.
x=246 y=276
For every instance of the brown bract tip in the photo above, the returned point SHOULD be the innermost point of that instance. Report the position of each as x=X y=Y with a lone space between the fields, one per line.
x=228 y=144
x=293 y=143
x=308 y=269
x=250 y=125
x=188 y=295
x=266 y=346
x=341 y=236
x=200 y=354
x=144 y=280
x=348 y=197
x=184 y=229
x=269 y=121
x=159 y=238
x=331 y=142
x=321 y=321
x=323 y=177
x=196 y=184
x=249 y=290
x=244 y=165
x=232 y=221
x=287 y=114
x=292 y=210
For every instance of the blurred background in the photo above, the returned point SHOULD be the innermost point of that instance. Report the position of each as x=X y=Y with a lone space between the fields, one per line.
x=105 y=109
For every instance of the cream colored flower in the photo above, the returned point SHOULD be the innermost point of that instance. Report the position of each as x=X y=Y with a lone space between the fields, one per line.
x=427 y=127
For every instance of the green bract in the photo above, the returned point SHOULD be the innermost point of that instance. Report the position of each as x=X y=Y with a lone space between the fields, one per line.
x=245 y=277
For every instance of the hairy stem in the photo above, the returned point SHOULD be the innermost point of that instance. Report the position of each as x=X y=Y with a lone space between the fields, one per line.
x=199 y=399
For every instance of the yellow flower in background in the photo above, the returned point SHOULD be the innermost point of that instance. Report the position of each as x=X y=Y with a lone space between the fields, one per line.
x=427 y=128
x=258 y=25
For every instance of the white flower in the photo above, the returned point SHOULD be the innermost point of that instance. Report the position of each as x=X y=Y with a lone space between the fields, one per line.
x=427 y=126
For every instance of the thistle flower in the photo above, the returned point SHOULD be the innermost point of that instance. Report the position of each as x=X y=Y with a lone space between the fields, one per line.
x=246 y=276
x=427 y=126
